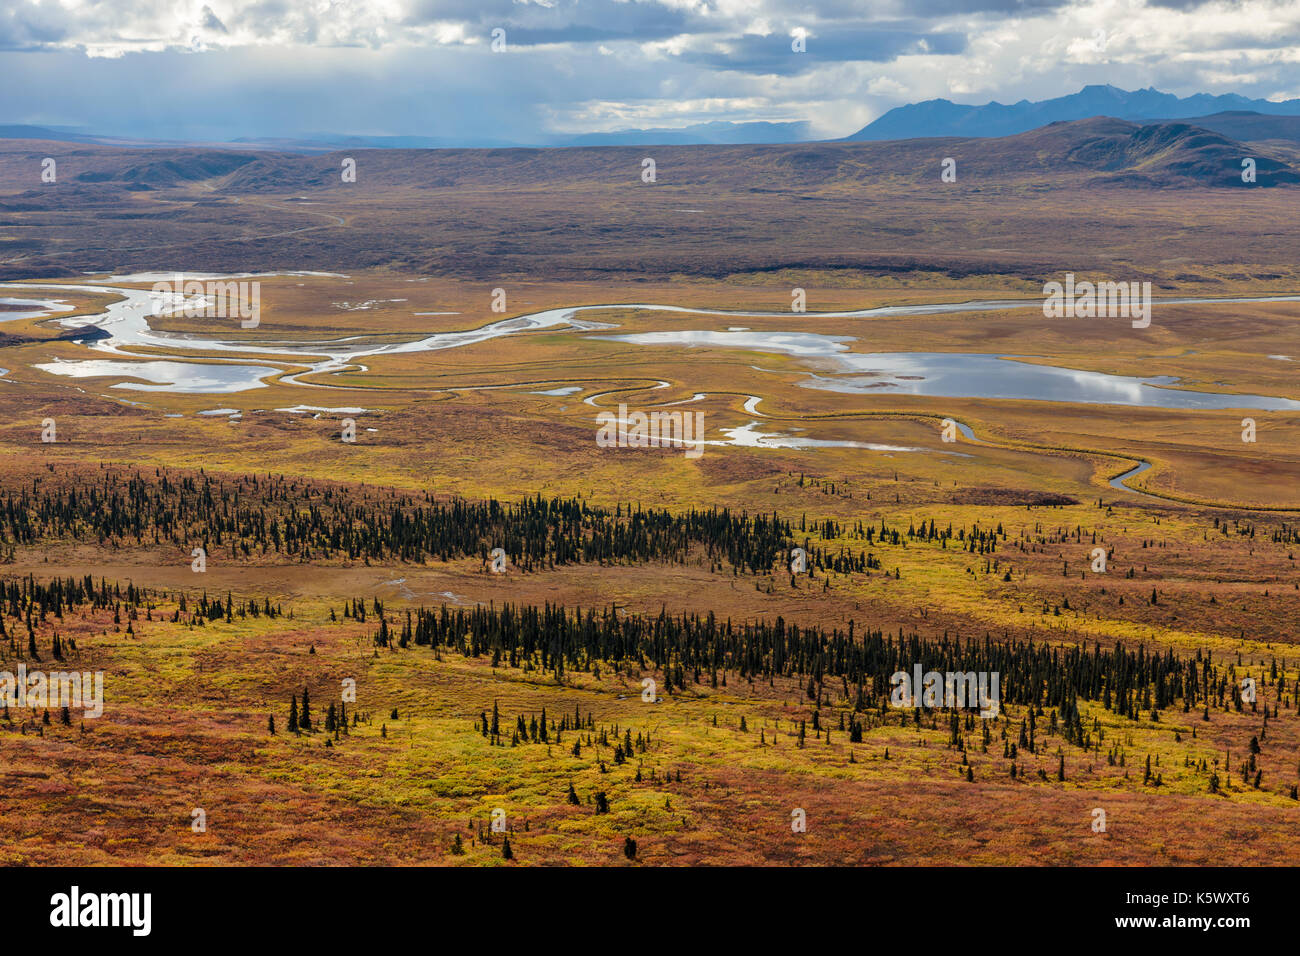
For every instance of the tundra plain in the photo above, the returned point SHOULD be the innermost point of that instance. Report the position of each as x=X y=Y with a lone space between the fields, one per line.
x=973 y=543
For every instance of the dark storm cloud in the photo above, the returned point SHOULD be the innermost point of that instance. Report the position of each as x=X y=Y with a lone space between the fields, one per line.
x=773 y=54
x=943 y=8
x=25 y=26
x=567 y=21
x=212 y=22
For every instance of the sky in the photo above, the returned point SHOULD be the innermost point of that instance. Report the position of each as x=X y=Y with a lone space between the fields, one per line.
x=223 y=69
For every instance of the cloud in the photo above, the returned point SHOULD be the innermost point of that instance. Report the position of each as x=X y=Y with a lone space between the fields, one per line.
x=562 y=21
x=927 y=8
x=26 y=26
x=211 y=22
x=775 y=53
x=425 y=67
x=1181 y=4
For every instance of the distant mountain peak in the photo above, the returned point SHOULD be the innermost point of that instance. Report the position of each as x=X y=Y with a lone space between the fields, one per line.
x=944 y=118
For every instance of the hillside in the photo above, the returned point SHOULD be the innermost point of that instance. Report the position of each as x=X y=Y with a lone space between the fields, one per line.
x=878 y=207
x=1248 y=126
x=1159 y=155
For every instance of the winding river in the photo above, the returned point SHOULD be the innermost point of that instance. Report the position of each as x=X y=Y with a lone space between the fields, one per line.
x=126 y=352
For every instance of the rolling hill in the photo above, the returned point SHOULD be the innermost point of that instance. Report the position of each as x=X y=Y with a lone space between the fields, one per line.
x=1099 y=151
x=586 y=211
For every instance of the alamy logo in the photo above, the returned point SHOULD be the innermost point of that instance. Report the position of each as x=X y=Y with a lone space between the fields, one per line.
x=1103 y=300
x=956 y=689
x=652 y=430
x=102 y=909
x=35 y=689
x=210 y=299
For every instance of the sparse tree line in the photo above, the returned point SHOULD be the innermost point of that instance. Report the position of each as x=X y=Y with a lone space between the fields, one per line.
x=701 y=649
x=251 y=517
x=1042 y=685
x=254 y=516
x=28 y=608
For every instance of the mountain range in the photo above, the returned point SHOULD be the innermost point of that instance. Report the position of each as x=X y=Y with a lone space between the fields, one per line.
x=945 y=118
x=1237 y=117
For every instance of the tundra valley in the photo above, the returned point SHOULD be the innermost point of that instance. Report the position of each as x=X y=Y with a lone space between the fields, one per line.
x=542 y=506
